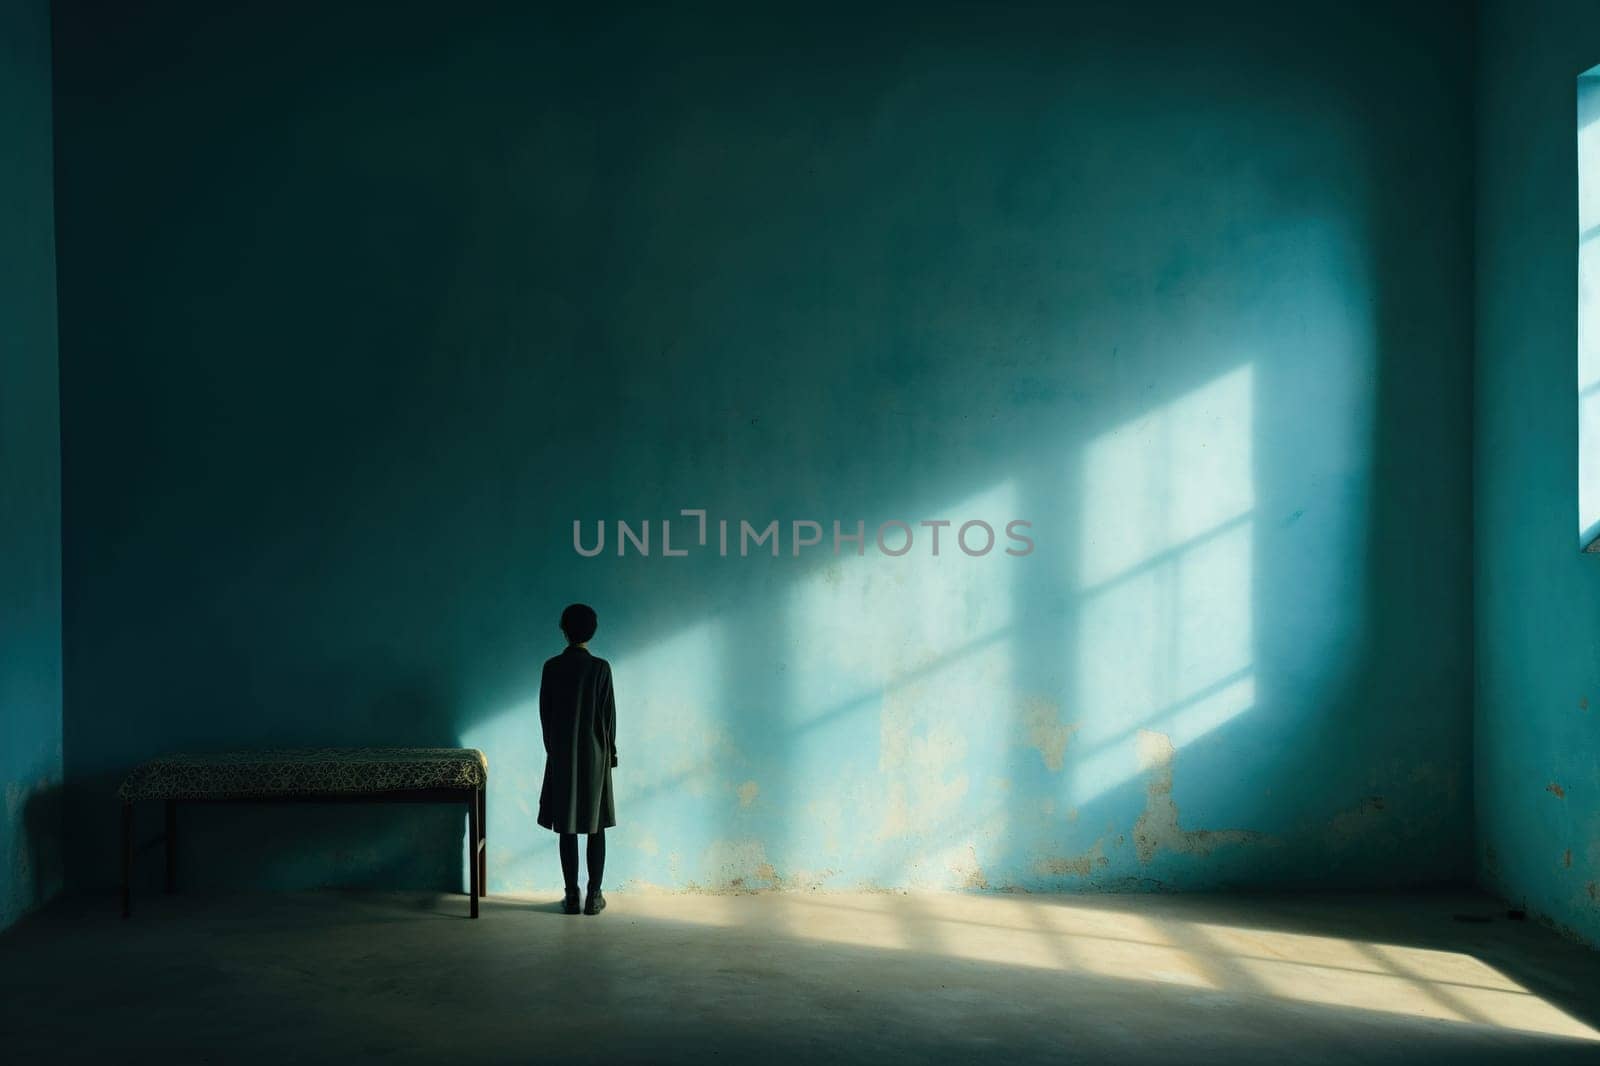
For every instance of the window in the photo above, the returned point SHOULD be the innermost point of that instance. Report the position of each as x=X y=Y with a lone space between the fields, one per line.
x=1589 y=310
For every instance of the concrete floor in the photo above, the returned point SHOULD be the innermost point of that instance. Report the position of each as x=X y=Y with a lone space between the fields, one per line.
x=799 y=977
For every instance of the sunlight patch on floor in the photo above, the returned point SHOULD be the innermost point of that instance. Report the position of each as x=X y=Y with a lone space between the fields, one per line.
x=1097 y=940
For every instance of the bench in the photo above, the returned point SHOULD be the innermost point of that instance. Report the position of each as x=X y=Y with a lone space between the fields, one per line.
x=309 y=775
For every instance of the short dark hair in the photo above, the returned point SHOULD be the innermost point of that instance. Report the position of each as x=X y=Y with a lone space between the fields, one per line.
x=579 y=622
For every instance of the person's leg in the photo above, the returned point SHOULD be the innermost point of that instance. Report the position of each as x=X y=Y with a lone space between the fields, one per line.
x=597 y=870
x=569 y=861
x=596 y=859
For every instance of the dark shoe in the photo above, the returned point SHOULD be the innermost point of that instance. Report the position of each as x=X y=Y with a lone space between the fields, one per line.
x=596 y=902
x=570 y=904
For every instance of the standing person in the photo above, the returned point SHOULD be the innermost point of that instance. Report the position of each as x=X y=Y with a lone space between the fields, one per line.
x=578 y=714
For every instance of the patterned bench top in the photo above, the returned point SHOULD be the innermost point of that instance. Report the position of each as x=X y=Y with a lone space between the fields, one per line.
x=303 y=771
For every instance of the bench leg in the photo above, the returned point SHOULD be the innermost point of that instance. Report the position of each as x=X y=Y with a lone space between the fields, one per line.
x=483 y=841
x=127 y=857
x=472 y=853
x=172 y=846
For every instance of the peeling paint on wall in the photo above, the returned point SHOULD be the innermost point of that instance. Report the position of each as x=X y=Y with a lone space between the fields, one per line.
x=739 y=865
x=1046 y=732
x=1075 y=866
x=1158 y=828
x=968 y=873
x=921 y=755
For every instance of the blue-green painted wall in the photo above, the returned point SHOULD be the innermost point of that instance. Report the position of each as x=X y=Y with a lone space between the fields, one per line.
x=1537 y=726
x=30 y=473
x=362 y=311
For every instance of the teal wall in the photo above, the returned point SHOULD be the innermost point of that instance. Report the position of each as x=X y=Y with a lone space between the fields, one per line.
x=1537 y=724
x=30 y=473
x=362 y=312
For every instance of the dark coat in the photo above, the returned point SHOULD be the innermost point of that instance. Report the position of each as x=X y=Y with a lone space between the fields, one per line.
x=578 y=713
